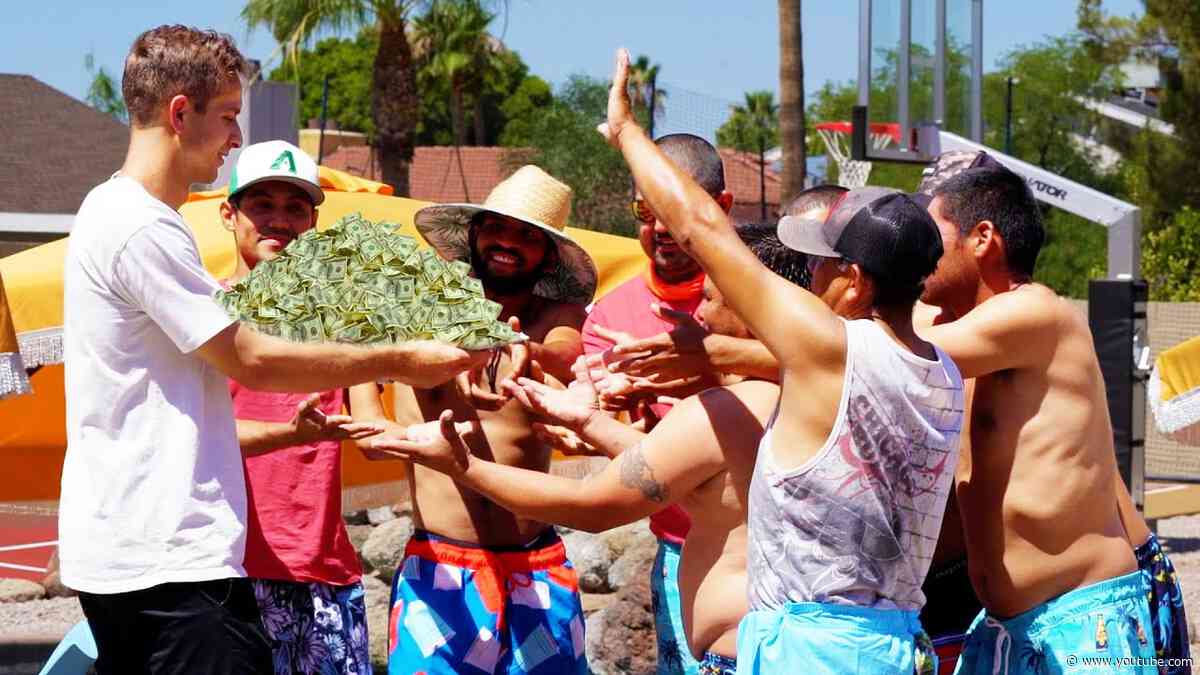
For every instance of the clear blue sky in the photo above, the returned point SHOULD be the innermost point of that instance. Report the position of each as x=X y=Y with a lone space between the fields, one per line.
x=718 y=48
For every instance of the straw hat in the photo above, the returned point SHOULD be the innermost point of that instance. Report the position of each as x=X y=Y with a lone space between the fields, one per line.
x=531 y=196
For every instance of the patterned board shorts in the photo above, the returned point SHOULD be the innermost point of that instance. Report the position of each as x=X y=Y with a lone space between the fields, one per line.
x=674 y=655
x=462 y=608
x=1168 y=620
x=315 y=628
x=1104 y=622
x=715 y=664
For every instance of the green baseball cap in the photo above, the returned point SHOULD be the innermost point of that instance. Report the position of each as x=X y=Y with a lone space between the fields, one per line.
x=276 y=160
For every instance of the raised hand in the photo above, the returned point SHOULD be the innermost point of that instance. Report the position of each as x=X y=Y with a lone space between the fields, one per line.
x=620 y=110
x=310 y=425
x=571 y=407
x=440 y=445
x=493 y=395
x=673 y=355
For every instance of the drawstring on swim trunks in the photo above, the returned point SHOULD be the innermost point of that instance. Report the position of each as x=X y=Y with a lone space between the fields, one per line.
x=1003 y=645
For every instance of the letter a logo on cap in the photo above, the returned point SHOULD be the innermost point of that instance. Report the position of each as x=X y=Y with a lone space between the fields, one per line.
x=285 y=157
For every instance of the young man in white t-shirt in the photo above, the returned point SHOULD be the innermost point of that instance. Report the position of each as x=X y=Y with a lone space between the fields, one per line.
x=153 y=507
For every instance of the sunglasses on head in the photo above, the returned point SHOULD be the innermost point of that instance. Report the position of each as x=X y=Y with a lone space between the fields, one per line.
x=642 y=212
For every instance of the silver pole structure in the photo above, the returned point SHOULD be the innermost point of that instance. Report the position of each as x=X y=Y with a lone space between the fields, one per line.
x=977 y=71
x=939 y=66
x=904 y=73
x=864 y=52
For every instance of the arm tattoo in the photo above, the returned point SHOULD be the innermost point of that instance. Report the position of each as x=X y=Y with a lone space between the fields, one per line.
x=637 y=474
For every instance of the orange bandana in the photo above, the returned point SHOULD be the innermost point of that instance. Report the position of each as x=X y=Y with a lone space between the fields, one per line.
x=685 y=290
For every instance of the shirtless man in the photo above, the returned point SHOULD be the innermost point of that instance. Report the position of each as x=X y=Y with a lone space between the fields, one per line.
x=449 y=603
x=702 y=454
x=853 y=471
x=1048 y=554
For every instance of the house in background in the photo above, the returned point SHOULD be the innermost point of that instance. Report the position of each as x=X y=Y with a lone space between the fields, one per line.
x=55 y=150
x=435 y=175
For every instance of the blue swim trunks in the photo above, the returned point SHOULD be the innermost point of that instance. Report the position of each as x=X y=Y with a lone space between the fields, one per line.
x=826 y=639
x=674 y=655
x=462 y=608
x=1168 y=620
x=715 y=664
x=1101 y=628
x=314 y=628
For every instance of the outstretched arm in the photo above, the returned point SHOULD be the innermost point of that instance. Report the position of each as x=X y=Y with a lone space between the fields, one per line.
x=680 y=454
x=797 y=327
x=1009 y=330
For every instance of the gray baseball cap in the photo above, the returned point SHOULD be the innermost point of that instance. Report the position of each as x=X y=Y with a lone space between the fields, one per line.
x=883 y=230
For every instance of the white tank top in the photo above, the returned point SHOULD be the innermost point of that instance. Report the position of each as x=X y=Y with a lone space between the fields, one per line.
x=857 y=523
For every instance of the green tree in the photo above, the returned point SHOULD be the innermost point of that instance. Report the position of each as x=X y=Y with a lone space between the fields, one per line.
x=561 y=138
x=521 y=109
x=1171 y=258
x=395 y=104
x=103 y=94
x=455 y=47
x=348 y=64
x=753 y=126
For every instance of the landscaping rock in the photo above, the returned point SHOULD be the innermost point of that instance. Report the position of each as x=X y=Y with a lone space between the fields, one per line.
x=359 y=534
x=20 y=590
x=636 y=557
x=592 y=557
x=356 y=518
x=620 y=637
x=385 y=547
x=380 y=515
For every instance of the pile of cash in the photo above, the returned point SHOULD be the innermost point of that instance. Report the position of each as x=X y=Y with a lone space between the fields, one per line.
x=358 y=281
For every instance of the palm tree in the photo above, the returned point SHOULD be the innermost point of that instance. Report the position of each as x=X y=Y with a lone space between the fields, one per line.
x=394 y=103
x=753 y=127
x=643 y=80
x=453 y=41
x=791 y=98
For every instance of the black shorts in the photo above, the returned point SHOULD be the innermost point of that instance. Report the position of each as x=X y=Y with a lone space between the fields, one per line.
x=198 y=628
x=950 y=601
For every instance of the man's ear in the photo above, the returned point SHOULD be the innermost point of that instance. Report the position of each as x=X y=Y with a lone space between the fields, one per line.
x=175 y=110
x=861 y=291
x=984 y=239
x=725 y=200
x=228 y=215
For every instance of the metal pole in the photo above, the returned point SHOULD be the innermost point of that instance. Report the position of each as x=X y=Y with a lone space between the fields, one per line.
x=864 y=52
x=977 y=71
x=324 y=112
x=904 y=74
x=1008 y=118
x=939 y=66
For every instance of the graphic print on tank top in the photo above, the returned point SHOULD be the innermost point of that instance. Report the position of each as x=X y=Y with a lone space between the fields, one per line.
x=857 y=524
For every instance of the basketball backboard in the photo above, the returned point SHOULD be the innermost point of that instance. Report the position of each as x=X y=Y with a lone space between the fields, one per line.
x=920 y=66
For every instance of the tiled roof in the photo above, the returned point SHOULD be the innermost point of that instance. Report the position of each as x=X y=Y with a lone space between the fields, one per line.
x=435 y=174
x=435 y=177
x=742 y=178
x=54 y=148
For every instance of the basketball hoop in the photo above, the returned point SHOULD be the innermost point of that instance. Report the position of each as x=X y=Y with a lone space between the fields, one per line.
x=853 y=173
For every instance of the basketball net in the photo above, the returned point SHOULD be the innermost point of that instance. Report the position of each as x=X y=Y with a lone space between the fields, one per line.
x=852 y=173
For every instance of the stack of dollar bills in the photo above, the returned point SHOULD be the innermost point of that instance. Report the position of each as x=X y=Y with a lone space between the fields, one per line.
x=358 y=281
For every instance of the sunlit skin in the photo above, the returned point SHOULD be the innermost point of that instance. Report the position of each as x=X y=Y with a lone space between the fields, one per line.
x=207 y=137
x=1036 y=487
x=268 y=217
x=671 y=263
x=515 y=255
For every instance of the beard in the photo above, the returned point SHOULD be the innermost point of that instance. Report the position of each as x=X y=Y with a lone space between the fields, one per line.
x=514 y=284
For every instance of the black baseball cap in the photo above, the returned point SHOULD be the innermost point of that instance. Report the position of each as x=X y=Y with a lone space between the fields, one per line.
x=882 y=230
x=948 y=165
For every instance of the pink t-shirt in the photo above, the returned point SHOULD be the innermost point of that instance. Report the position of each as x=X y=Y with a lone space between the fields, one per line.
x=294 y=529
x=627 y=309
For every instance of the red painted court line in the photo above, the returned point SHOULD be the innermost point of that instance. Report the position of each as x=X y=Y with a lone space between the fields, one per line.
x=26 y=544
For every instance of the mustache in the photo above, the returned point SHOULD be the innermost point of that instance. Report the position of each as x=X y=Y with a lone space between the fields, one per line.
x=507 y=251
